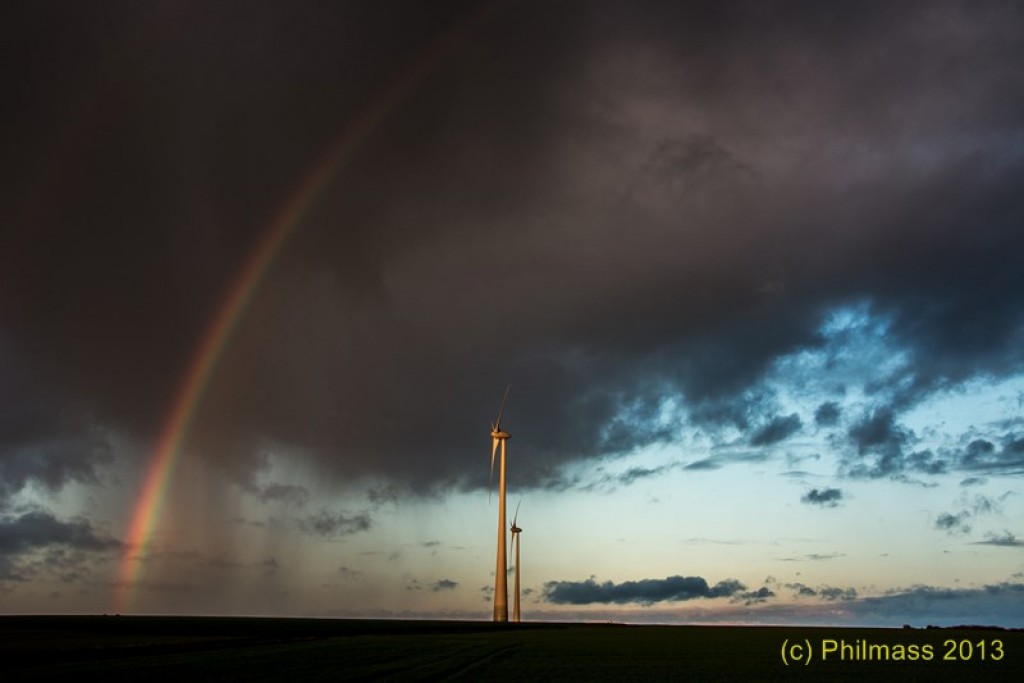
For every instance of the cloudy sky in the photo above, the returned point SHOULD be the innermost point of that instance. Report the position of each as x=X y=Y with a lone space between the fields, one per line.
x=753 y=271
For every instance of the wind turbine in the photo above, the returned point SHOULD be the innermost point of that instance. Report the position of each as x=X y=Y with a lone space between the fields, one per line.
x=515 y=541
x=500 y=576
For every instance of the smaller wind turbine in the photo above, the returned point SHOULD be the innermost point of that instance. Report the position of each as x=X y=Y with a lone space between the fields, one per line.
x=515 y=541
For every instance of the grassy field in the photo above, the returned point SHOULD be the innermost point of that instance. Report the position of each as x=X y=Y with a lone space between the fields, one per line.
x=195 y=649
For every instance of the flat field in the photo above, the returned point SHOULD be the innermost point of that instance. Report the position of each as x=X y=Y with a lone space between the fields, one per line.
x=206 y=648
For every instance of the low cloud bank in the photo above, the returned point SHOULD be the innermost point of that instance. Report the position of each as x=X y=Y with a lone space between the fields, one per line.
x=644 y=592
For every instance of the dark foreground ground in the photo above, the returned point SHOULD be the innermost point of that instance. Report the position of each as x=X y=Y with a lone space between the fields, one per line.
x=194 y=649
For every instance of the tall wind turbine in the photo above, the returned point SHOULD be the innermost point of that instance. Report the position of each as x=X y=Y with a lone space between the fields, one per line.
x=515 y=541
x=500 y=576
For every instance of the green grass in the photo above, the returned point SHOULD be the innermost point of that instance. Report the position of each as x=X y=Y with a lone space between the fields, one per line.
x=198 y=649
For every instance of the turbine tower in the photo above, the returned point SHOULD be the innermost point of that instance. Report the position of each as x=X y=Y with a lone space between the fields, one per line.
x=500 y=575
x=515 y=541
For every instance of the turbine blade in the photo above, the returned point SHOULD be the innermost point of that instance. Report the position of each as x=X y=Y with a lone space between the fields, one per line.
x=497 y=425
x=516 y=515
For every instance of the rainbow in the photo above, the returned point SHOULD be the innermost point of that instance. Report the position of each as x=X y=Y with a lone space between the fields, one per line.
x=232 y=308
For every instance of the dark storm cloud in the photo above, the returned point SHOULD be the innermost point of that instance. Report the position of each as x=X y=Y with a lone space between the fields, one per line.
x=42 y=442
x=443 y=585
x=779 y=429
x=822 y=497
x=978 y=451
x=335 y=524
x=632 y=211
x=878 y=432
x=35 y=529
x=32 y=532
x=882 y=450
x=644 y=592
x=984 y=455
x=52 y=462
x=827 y=414
x=879 y=442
